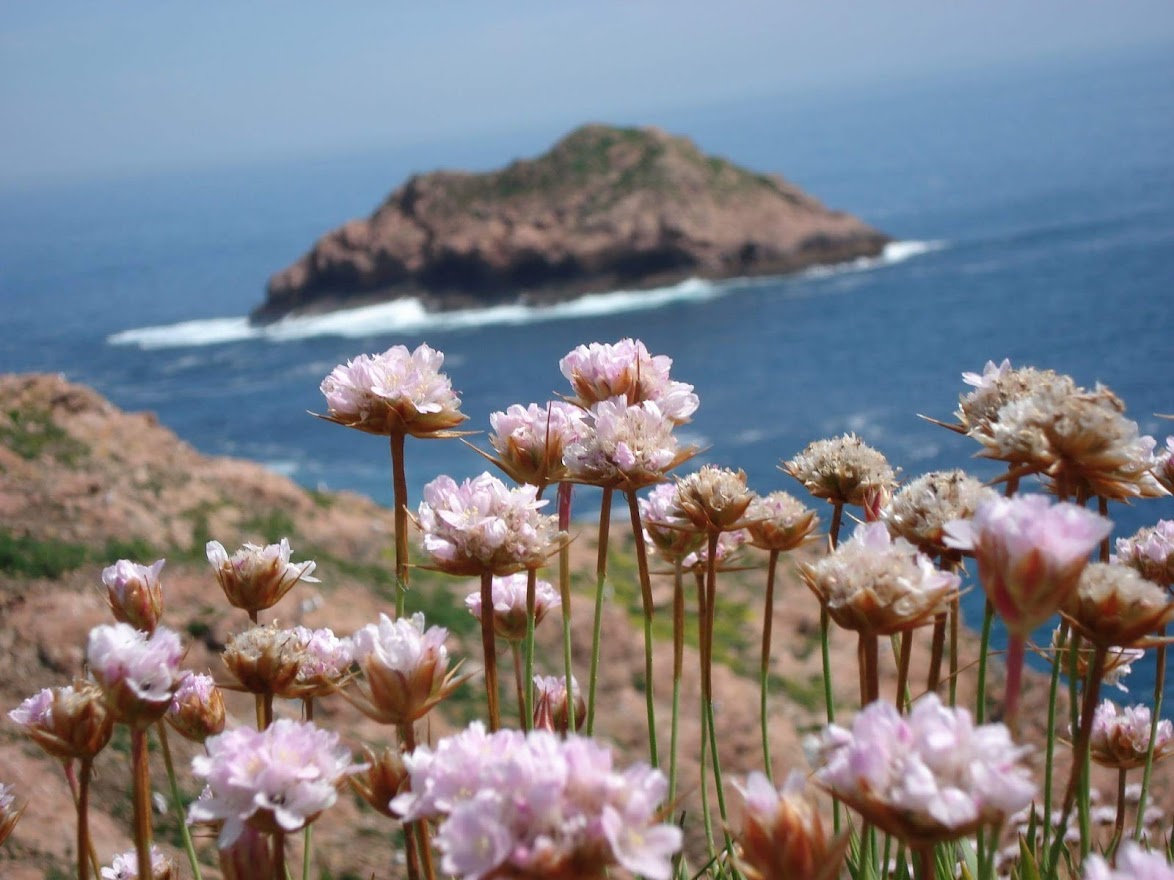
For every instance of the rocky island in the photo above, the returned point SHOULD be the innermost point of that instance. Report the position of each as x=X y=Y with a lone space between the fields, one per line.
x=606 y=208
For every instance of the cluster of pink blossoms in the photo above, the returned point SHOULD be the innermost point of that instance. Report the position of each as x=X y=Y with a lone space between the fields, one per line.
x=481 y=525
x=600 y=371
x=1121 y=735
x=126 y=866
x=1133 y=863
x=629 y=444
x=538 y=805
x=929 y=776
x=532 y=440
x=509 y=604
x=139 y=673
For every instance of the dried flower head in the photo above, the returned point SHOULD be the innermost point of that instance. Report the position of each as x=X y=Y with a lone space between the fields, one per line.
x=126 y=866
x=134 y=593
x=509 y=605
x=67 y=722
x=713 y=499
x=384 y=778
x=397 y=392
x=1121 y=736
x=279 y=778
x=264 y=659
x=482 y=526
x=405 y=668
x=554 y=710
x=782 y=834
x=1118 y=662
x=1114 y=605
x=998 y=385
x=1030 y=554
x=255 y=578
x=1133 y=863
x=920 y=510
x=536 y=805
x=9 y=812
x=876 y=584
x=197 y=710
x=779 y=522
x=1151 y=552
x=626 y=447
x=531 y=441
x=138 y=673
x=667 y=532
x=599 y=372
x=929 y=777
x=844 y=470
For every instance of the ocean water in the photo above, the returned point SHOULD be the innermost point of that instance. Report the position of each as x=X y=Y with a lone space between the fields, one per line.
x=1034 y=212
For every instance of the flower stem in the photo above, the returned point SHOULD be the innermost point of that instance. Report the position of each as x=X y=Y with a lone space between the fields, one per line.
x=902 y=701
x=279 y=869
x=141 y=775
x=489 y=648
x=1159 y=687
x=868 y=656
x=984 y=646
x=646 y=599
x=308 y=832
x=768 y=614
x=83 y=820
x=707 y=681
x=937 y=651
x=516 y=653
x=564 y=581
x=829 y=700
x=1119 y=824
x=177 y=799
x=526 y=683
x=678 y=667
x=955 y=615
x=417 y=832
x=399 y=488
x=74 y=789
x=600 y=579
x=1050 y=746
x=1016 y=649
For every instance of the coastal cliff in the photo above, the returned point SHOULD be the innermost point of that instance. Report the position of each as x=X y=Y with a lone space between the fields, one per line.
x=606 y=208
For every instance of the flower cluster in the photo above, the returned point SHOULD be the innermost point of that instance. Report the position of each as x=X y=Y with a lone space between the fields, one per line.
x=628 y=447
x=255 y=578
x=531 y=441
x=729 y=547
x=554 y=708
x=483 y=526
x=324 y=661
x=1151 y=552
x=599 y=371
x=536 y=805
x=509 y=605
x=1121 y=736
x=1118 y=661
x=138 y=673
x=67 y=722
x=134 y=593
x=779 y=522
x=197 y=710
x=844 y=470
x=9 y=812
x=713 y=499
x=279 y=778
x=664 y=529
x=1133 y=863
x=927 y=777
x=405 y=667
x=397 y=392
x=921 y=509
x=126 y=866
x=1115 y=606
x=876 y=584
x=782 y=834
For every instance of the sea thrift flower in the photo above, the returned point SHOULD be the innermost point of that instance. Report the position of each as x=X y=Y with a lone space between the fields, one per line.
x=998 y=385
x=729 y=547
x=844 y=470
x=383 y=778
x=713 y=499
x=665 y=530
x=1114 y=605
x=921 y=509
x=264 y=659
x=875 y=584
x=1164 y=466
x=628 y=447
x=509 y=605
x=530 y=441
x=1030 y=554
x=9 y=812
x=1151 y=552
x=928 y=777
x=324 y=662
x=782 y=834
x=396 y=392
x=481 y=526
x=197 y=710
x=405 y=667
x=1121 y=737
x=553 y=710
x=126 y=867
x=535 y=805
x=279 y=778
x=67 y=722
x=599 y=372
x=1133 y=863
x=779 y=522
x=138 y=673
x=1118 y=661
x=255 y=578
x=134 y=593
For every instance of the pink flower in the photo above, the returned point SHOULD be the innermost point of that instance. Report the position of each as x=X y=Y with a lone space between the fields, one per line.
x=126 y=866
x=509 y=604
x=197 y=710
x=324 y=660
x=782 y=833
x=139 y=674
x=255 y=578
x=134 y=593
x=629 y=446
x=1133 y=863
x=554 y=709
x=729 y=546
x=600 y=371
x=482 y=526
x=1030 y=554
x=1151 y=552
x=531 y=441
x=1121 y=736
x=396 y=392
x=664 y=528
x=282 y=777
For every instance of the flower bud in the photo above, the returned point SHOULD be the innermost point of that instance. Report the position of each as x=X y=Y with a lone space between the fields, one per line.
x=383 y=779
x=782 y=834
x=9 y=812
x=779 y=522
x=138 y=673
x=552 y=710
x=509 y=605
x=67 y=722
x=264 y=659
x=713 y=499
x=197 y=711
x=255 y=578
x=126 y=867
x=134 y=593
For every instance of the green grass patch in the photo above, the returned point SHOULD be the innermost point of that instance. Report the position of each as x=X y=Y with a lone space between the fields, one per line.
x=33 y=434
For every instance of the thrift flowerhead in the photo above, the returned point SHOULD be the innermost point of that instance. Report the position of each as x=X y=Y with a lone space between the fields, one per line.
x=554 y=709
x=481 y=526
x=929 y=777
x=1164 y=465
x=1151 y=552
x=405 y=668
x=780 y=522
x=713 y=499
x=324 y=663
x=1118 y=661
x=279 y=778
x=397 y=392
x=509 y=605
x=1030 y=554
x=921 y=509
x=1121 y=736
x=67 y=722
x=531 y=441
x=9 y=812
x=628 y=447
x=255 y=578
x=782 y=834
x=599 y=372
x=134 y=593
x=264 y=659
x=1114 y=605
x=197 y=710
x=139 y=674
x=126 y=867
x=843 y=470
x=730 y=546
x=384 y=778
x=665 y=530
x=875 y=584
x=1133 y=863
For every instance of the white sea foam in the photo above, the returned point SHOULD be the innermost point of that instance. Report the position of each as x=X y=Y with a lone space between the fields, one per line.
x=410 y=316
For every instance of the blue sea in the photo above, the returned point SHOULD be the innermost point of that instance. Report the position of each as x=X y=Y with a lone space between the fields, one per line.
x=1033 y=208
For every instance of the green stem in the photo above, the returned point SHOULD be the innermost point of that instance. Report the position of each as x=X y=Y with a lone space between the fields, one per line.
x=903 y=697
x=489 y=649
x=1050 y=745
x=516 y=653
x=705 y=739
x=526 y=686
x=707 y=682
x=564 y=587
x=177 y=799
x=678 y=668
x=646 y=600
x=984 y=646
x=955 y=616
x=399 y=488
x=308 y=831
x=829 y=700
x=141 y=774
x=767 y=625
x=600 y=579
x=1159 y=687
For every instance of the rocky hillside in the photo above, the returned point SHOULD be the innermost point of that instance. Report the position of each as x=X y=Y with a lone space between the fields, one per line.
x=606 y=208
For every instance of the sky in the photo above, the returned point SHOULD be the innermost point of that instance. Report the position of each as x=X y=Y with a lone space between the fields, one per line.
x=90 y=89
